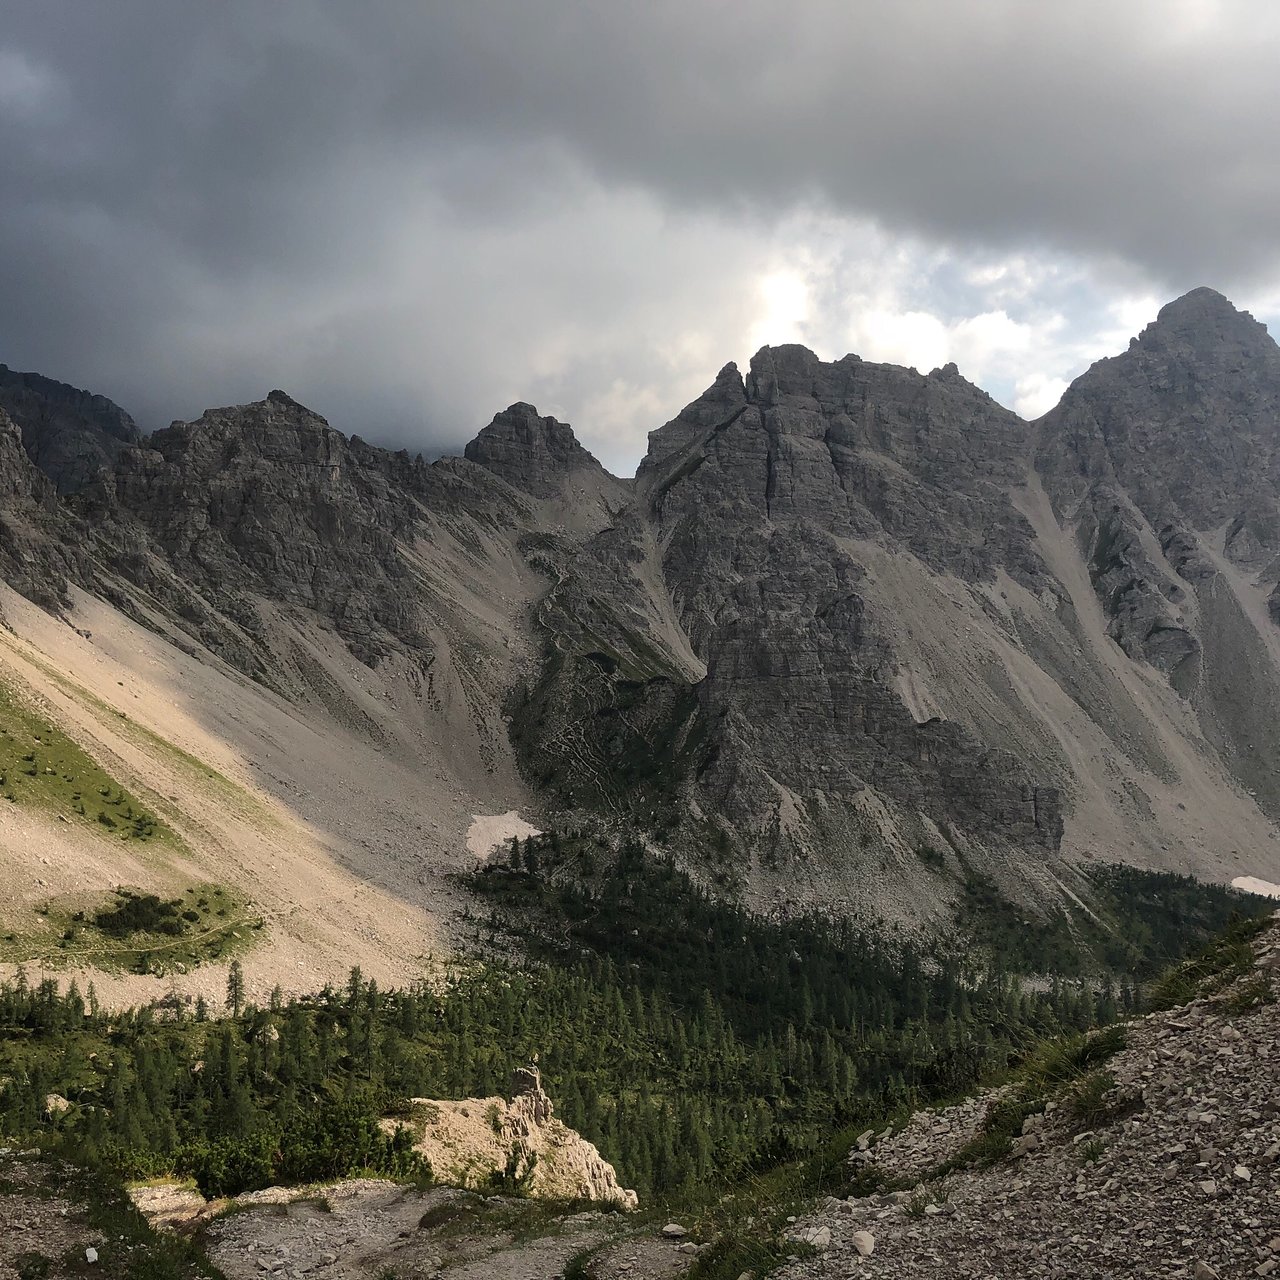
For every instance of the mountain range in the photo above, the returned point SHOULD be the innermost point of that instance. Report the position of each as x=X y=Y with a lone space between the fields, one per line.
x=852 y=636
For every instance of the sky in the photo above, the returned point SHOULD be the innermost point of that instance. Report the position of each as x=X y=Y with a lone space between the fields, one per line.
x=409 y=215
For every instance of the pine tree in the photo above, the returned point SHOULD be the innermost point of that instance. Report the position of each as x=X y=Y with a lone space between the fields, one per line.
x=235 y=988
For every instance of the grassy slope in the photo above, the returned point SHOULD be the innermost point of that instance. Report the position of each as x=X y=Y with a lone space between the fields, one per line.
x=208 y=922
x=41 y=766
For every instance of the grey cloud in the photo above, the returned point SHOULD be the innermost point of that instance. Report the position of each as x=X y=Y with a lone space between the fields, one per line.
x=402 y=210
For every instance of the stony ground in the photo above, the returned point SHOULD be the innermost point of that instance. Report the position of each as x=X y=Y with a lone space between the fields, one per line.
x=57 y=1221
x=1182 y=1179
x=363 y=1230
x=36 y=1222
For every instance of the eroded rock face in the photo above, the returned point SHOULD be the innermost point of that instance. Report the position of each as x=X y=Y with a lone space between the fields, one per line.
x=268 y=496
x=745 y=651
x=1165 y=454
x=471 y=1141
x=68 y=433
x=1184 y=421
x=1167 y=461
x=1141 y=598
x=531 y=453
x=267 y=502
x=39 y=549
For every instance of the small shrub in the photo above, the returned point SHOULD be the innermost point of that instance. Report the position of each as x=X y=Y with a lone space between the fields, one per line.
x=1067 y=1058
x=1092 y=1104
x=579 y=1266
x=867 y=1180
x=1227 y=958
x=515 y=1178
x=916 y=1205
x=1003 y=1124
x=931 y=856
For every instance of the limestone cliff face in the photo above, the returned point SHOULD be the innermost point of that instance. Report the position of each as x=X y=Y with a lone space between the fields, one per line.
x=68 y=433
x=1184 y=422
x=767 y=521
x=472 y=1142
x=1166 y=462
x=39 y=550
x=263 y=510
x=530 y=452
x=853 y=634
x=745 y=651
x=263 y=499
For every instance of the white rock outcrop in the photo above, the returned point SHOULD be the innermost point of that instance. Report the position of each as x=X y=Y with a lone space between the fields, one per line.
x=470 y=1141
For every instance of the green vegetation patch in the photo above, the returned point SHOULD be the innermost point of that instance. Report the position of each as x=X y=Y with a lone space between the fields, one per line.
x=40 y=766
x=1226 y=958
x=232 y=795
x=1136 y=923
x=140 y=932
x=1064 y=1059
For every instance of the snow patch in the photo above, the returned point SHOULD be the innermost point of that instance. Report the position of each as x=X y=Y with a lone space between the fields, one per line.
x=1251 y=884
x=489 y=832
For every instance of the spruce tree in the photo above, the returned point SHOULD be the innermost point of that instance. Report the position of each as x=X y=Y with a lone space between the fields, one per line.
x=235 y=988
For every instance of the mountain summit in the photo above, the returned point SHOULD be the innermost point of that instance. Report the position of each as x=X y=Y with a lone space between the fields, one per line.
x=532 y=453
x=854 y=638
x=1206 y=321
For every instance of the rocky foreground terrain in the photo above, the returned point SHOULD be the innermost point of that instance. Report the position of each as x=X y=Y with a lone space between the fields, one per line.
x=1172 y=1171
x=355 y=1231
x=50 y=1227
x=1156 y=1155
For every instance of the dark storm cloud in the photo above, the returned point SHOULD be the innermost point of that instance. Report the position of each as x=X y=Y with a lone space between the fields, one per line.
x=409 y=212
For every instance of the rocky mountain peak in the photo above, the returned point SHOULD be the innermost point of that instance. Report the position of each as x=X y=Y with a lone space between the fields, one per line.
x=277 y=429
x=787 y=369
x=530 y=452
x=286 y=401
x=1204 y=322
x=68 y=433
x=1184 y=420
